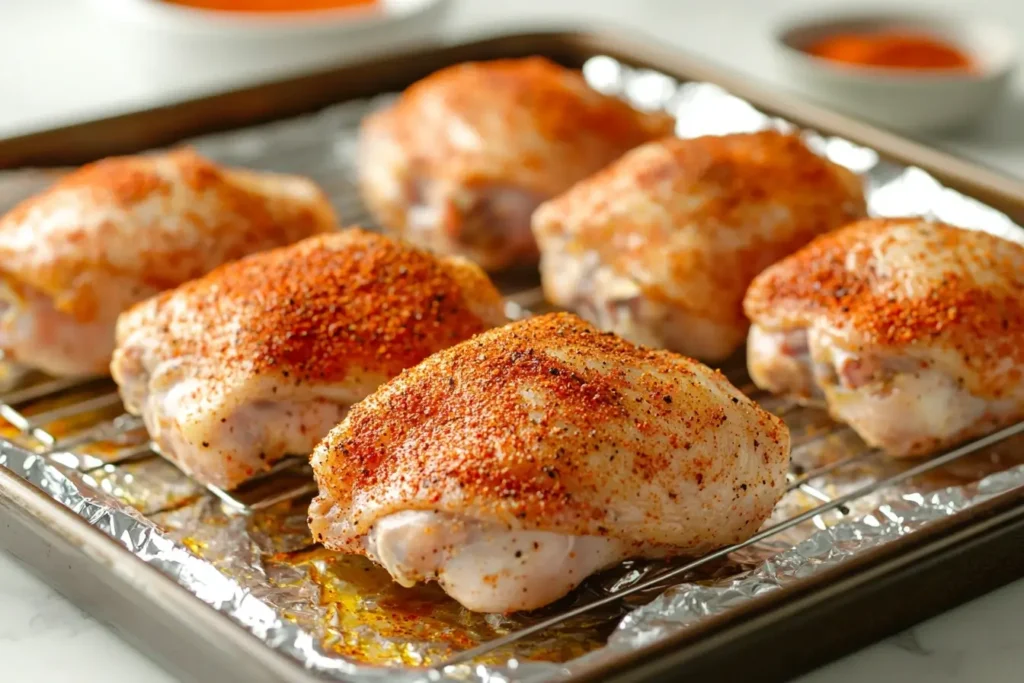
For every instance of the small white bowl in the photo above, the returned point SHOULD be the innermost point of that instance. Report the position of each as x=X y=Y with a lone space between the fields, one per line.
x=901 y=99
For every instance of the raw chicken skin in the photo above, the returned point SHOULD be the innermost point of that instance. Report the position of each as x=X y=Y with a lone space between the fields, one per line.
x=661 y=246
x=510 y=467
x=260 y=358
x=120 y=230
x=912 y=332
x=464 y=156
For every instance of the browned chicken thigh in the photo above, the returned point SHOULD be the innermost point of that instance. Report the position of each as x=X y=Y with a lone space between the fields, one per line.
x=120 y=230
x=260 y=358
x=910 y=331
x=512 y=466
x=660 y=246
x=463 y=157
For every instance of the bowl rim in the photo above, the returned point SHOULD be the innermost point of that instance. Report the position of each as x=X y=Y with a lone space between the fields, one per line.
x=931 y=20
x=183 y=17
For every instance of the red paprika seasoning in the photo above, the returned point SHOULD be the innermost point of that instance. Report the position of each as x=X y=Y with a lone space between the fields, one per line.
x=892 y=50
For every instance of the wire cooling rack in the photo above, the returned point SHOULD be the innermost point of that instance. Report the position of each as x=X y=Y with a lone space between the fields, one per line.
x=81 y=423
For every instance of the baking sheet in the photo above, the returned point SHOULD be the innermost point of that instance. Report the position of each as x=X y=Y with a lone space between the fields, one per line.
x=343 y=617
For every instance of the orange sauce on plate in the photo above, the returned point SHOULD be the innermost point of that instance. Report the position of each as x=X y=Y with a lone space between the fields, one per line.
x=280 y=6
x=893 y=50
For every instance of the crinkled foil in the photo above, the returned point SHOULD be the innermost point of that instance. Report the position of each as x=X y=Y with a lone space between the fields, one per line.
x=342 y=617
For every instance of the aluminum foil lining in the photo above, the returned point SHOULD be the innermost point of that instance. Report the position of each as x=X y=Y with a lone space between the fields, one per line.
x=340 y=617
x=676 y=608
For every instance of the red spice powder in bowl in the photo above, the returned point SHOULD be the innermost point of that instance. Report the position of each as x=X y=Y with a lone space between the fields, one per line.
x=913 y=73
x=892 y=49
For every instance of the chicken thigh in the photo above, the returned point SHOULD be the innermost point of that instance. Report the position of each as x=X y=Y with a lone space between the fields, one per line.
x=912 y=332
x=120 y=230
x=512 y=466
x=660 y=246
x=260 y=358
x=459 y=163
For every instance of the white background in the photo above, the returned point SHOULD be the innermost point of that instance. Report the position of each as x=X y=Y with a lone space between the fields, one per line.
x=62 y=61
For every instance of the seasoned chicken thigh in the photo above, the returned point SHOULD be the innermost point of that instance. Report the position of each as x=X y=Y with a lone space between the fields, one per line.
x=912 y=332
x=260 y=358
x=120 y=230
x=461 y=160
x=660 y=246
x=512 y=466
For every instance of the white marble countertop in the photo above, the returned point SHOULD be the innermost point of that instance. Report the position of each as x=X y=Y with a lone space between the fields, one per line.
x=62 y=62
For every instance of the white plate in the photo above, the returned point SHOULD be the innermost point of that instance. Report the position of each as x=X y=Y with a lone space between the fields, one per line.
x=188 y=20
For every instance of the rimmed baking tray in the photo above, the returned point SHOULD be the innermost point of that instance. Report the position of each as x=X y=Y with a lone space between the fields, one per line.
x=776 y=636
